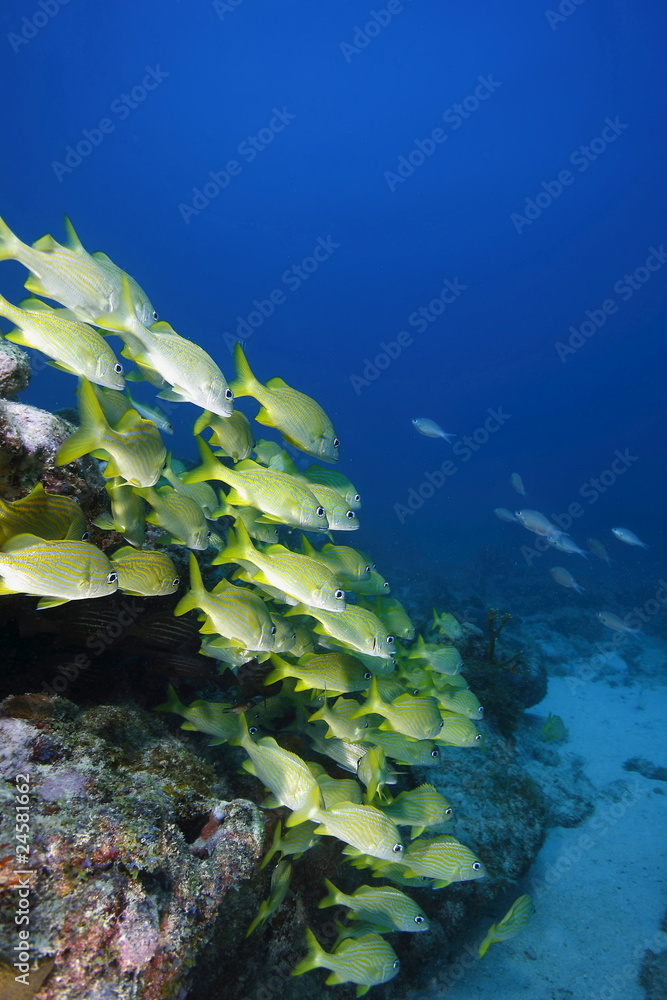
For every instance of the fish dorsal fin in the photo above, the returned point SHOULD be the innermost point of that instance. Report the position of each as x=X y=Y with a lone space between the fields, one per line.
x=247 y=465
x=46 y=243
x=22 y=541
x=36 y=493
x=73 y=241
x=125 y=550
x=162 y=327
x=277 y=383
x=129 y=419
x=35 y=305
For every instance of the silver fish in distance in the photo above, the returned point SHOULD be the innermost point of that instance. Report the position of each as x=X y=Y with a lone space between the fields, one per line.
x=627 y=536
x=429 y=428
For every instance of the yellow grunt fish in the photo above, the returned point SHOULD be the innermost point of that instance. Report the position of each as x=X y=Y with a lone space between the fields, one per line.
x=354 y=627
x=57 y=571
x=127 y=513
x=232 y=434
x=517 y=917
x=178 y=515
x=132 y=450
x=144 y=572
x=366 y=961
x=300 y=420
x=87 y=284
x=72 y=346
x=47 y=515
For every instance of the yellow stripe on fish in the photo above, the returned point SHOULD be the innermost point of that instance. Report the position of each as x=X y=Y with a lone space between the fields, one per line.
x=366 y=961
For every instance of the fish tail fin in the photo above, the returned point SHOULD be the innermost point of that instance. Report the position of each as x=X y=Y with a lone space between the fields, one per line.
x=275 y=845
x=202 y=422
x=172 y=704
x=92 y=427
x=210 y=467
x=242 y=736
x=280 y=669
x=245 y=382
x=373 y=703
x=9 y=242
x=315 y=958
x=487 y=942
x=259 y=919
x=239 y=545
x=332 y=897
x=193 y=597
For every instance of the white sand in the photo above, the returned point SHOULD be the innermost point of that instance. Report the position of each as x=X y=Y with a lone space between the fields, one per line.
x=600 y=893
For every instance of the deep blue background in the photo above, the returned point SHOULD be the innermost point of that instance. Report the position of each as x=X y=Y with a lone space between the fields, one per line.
x=323 y=176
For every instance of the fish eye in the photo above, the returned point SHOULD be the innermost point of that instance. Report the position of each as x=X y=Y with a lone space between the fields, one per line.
x=155 y=316
x=478 y=737
x=435 y=752
x=175 y=582
x=390 y=640
x=350 y=515
x=273 y=630
x=396 y=964
x=419 y=920
x=357 y=498
x=336 y=442
x=367 y=569
x=112 y=577
x=397 y=848
x=448 y=812
x=442 y=722
x=320 y=511
x=339 y=595
x=367 y=675
x=118 y=368
x=85 y=536
x=253 y=730
x=229 y=394
x=209 y=534
x=385 y=586
x=415 y=692
x=476 y=866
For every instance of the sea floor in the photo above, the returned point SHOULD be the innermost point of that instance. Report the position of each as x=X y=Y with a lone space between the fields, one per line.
x=599 y=888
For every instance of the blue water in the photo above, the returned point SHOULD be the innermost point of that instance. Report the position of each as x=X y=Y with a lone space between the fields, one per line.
x=164 y=94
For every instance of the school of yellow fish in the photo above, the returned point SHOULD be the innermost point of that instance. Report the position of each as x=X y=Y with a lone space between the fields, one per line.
x=363 y=695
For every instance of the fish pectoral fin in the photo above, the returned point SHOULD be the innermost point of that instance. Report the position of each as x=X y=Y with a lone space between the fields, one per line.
x=174 y=394
x=51 y=602
x=62 y=367
x=105 y=522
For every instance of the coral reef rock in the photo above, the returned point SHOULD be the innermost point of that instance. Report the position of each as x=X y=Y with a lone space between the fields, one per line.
x=29 y=440
x=132 y=845
x=14 y=370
